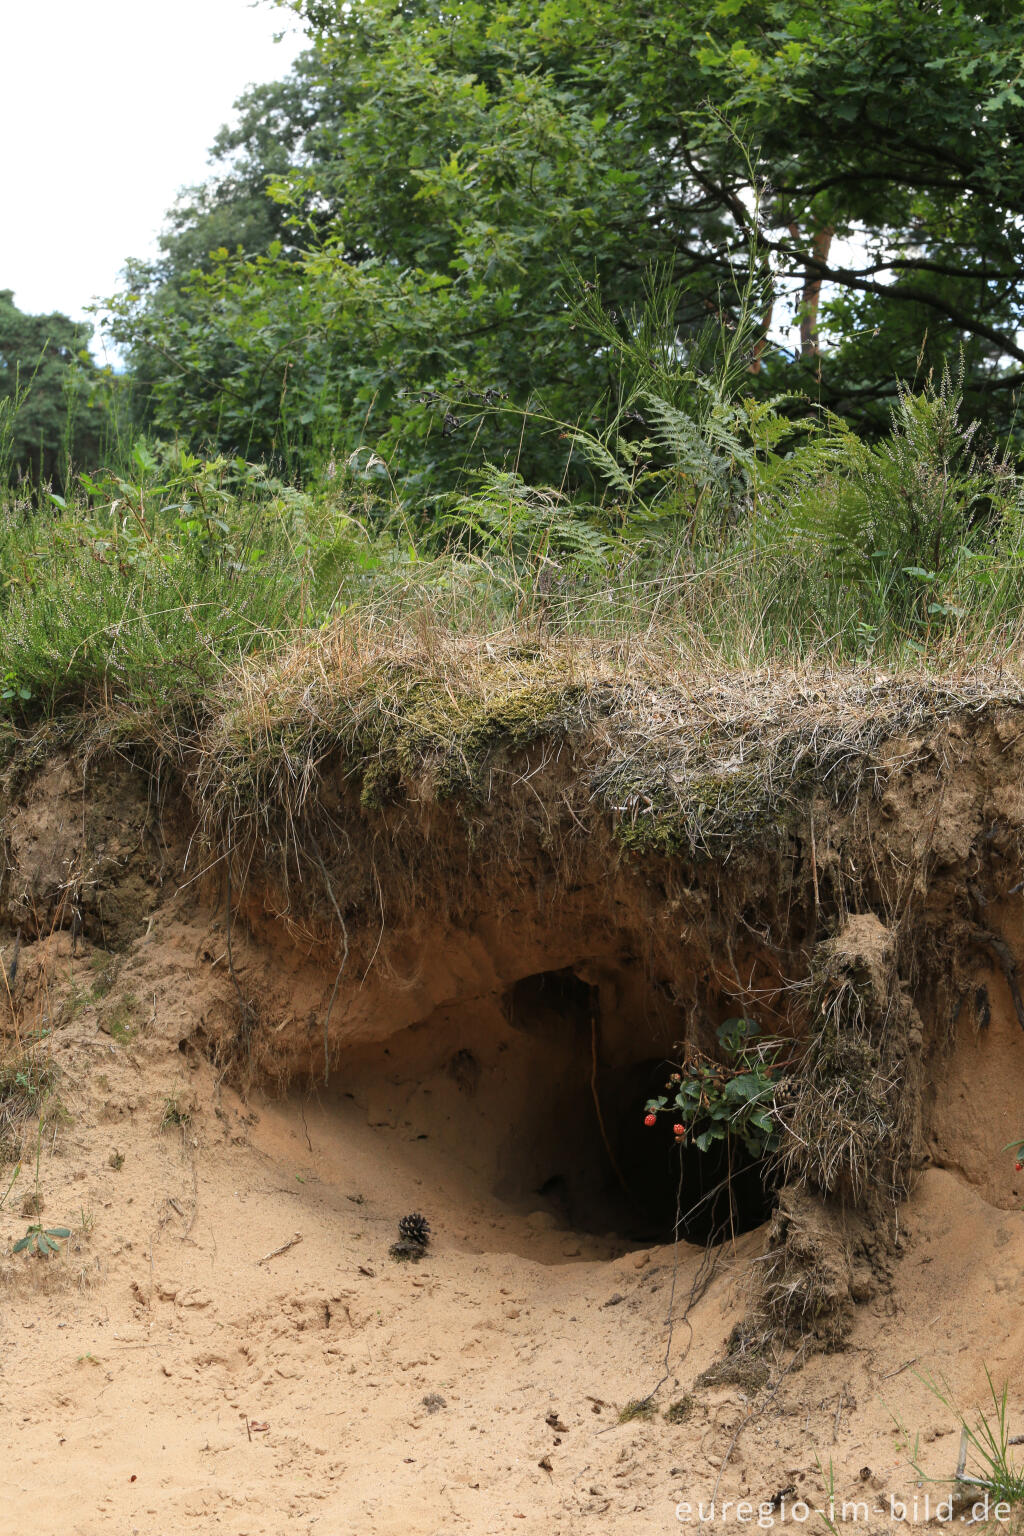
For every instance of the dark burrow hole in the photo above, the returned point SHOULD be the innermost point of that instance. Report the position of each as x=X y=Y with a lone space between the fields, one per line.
x=537 y=1096
x=714 y=1194
x=607 y=1170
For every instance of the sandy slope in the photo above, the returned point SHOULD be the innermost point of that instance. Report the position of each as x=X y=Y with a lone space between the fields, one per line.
x=478 y=1391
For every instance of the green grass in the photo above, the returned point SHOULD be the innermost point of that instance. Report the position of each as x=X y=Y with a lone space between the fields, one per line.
x=175 y=1114
x=143 y=589
x=990 y=1463
x=736 y=535
x=28 y=1096
x=153 y=616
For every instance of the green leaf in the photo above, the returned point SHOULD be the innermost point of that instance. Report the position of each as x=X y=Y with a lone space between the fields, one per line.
x=746 y=1086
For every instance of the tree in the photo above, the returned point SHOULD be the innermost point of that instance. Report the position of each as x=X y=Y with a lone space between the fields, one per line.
x=893 y=126
x=394 y=242
x=52 y=396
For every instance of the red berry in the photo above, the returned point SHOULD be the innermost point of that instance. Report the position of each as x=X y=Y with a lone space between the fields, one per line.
x=650 y=1119
x=679 y=1130
x=1019 y=1167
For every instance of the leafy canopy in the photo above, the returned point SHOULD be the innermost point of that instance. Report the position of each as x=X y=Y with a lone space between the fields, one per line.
x=386 y=251
x=52 y=396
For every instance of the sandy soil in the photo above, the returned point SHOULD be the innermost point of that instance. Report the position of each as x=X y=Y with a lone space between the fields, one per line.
x=172 y=1371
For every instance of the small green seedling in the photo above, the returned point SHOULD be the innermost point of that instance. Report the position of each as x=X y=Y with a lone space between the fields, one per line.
x=13 y=690
x=42 y=1241
x=175 y=1114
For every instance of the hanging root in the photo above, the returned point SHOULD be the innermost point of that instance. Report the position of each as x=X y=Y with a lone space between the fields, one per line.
x=852 y=1121
x=851 y=1126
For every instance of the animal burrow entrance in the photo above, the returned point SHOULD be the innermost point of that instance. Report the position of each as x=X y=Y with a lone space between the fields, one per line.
x=711 y=1195
x=540 y=1092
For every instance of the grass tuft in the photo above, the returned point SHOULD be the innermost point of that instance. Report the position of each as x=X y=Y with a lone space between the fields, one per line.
x=28 y=1097
x=681 y=1410
x=987 y=1465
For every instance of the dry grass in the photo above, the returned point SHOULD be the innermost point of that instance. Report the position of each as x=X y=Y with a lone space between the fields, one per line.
x=849 y=1129
x=801 y=1283
x=683 y=756
x=843 y=1123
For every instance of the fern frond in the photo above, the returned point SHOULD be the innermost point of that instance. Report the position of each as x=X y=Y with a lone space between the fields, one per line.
x=525 y=524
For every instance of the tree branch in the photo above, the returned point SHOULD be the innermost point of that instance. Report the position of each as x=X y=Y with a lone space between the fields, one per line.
x=843 y=277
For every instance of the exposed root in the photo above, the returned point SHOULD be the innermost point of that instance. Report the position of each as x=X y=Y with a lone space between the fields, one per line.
x=804 y=1279
x=852 y=1122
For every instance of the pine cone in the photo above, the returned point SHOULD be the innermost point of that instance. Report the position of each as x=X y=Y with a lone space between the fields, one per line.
x=415 y=1229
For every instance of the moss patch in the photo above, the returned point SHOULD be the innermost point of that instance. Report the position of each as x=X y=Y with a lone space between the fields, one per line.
x=120 y=1021
x=702 y=808
x=425 y=729
x=748 y=1371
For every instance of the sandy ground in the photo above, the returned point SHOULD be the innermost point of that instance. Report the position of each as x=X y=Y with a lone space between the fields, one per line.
x=225 y=1345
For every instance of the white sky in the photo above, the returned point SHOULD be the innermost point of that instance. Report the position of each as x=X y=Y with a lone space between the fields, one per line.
x=111 y=106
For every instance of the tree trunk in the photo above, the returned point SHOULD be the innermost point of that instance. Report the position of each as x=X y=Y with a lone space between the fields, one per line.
x=810 y=298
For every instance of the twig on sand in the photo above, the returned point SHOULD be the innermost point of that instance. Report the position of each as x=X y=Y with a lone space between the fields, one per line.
x=295 y=1238
x=901 y=1368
